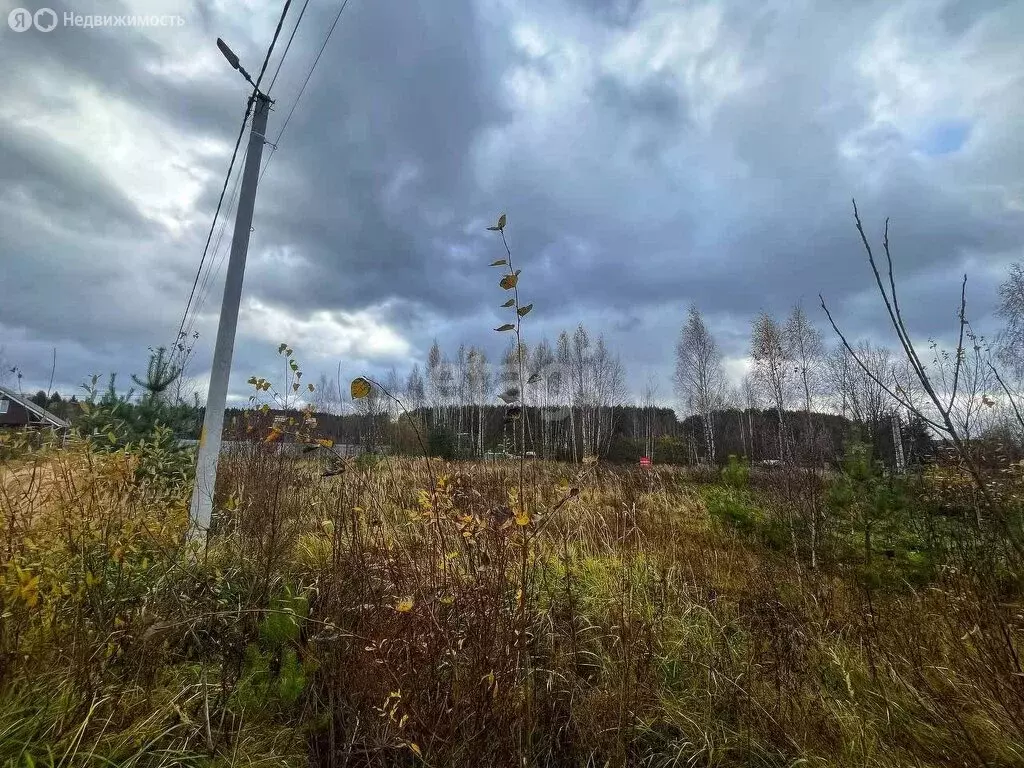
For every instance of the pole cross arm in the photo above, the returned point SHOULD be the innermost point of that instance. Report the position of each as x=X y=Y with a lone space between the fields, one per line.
x=235 y=64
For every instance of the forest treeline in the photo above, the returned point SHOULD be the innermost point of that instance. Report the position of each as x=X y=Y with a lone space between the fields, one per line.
x=801 y=400
x=631 y=431
x=798 y=404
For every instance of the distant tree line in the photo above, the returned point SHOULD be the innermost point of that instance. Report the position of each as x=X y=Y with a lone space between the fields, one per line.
x=576 y=404
x=800 y=402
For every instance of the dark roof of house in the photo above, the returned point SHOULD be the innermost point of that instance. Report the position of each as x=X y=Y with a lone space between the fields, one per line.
x=38 y=411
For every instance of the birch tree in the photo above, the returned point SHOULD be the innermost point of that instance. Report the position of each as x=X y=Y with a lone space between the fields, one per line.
x=806 y=348
x=1011 y=310
x=480 y=385
x=648 y=402
x=772 y=363
x=610 y=391
x=699 y=376
x=563 y=355
x=415 y=389
x=393 y=384
x=440 y=383
x=542 y=368
x=748 y=389
x=579 y=362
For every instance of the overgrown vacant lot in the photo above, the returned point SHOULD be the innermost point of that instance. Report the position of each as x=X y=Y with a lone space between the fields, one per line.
x=414 y=613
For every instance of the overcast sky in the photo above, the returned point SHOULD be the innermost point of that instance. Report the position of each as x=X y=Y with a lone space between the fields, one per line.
x=648 y=154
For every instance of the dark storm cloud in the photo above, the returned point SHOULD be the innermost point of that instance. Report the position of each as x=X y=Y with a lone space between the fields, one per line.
x=401 y=92
x=778 y=226
x=648 y=154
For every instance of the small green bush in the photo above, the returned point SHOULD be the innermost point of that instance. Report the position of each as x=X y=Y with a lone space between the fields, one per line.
x=736 y=474
x=731 y=507
x=368 y=460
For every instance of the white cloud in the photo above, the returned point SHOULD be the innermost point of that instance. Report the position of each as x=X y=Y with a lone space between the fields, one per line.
x=736 y=368
x=689 y=43
x=325 y=334
x=148 y=161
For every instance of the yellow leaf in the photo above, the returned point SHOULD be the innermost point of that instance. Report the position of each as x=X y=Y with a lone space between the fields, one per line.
x=360 y=388
x=273 y=436
x=29 y=591
x=522 y=518
x=325 y=443
x=404 y=605
x=415 y=749
x=509 y=282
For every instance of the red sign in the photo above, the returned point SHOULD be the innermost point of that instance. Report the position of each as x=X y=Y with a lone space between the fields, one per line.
x=645 y=461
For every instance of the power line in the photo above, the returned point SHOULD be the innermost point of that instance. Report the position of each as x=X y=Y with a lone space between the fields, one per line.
x=288 y=46
x=213 y=225
x=215 y=263
x=231 y=165
x=214 y=267
x=273 y=42
x=273 y=146
x=302 y=90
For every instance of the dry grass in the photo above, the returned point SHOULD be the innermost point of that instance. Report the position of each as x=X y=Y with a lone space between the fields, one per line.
x=401 y=613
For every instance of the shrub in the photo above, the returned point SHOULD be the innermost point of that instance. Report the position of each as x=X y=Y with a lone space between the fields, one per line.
x=732 y=507
x=736 y=473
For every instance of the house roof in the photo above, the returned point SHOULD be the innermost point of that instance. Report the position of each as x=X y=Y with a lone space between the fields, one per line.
x=36 y=410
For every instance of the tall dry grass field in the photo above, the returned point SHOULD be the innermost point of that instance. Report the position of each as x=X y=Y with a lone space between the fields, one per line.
x=414 y=613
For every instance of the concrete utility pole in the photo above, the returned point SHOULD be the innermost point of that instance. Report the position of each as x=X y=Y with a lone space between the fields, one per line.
x=213 y=423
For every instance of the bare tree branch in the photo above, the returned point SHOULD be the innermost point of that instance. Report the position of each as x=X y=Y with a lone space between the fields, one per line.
x=860 y=363
x=960 y=342
x=946 y=426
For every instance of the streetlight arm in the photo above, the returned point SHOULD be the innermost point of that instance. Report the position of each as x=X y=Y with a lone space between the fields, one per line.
x=233 y=61
x=228 y=53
